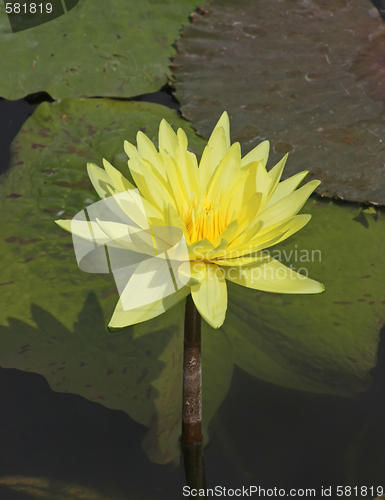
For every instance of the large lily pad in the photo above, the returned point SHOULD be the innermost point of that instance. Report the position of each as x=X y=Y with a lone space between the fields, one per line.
x=54 y=316
x=54 y=321
x=47 y=489
x=305 y=75
x=122 y=49
x=321 y=341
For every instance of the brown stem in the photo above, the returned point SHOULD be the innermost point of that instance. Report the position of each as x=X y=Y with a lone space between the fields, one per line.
x=192 y=377
x=194 y=466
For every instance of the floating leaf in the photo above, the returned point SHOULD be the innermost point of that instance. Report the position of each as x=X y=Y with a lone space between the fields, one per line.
x=54 y=316
x=305 y=75
x=326 y=342
x=47 y=489
x=122 y=50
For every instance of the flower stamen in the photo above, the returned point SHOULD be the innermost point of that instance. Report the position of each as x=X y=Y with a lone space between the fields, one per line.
x=205 y=219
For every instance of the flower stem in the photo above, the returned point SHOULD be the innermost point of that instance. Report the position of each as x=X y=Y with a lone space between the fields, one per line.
x=194 y=466
x=192 y=376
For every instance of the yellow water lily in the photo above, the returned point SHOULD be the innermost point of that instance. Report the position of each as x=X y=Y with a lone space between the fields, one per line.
x=228 y=208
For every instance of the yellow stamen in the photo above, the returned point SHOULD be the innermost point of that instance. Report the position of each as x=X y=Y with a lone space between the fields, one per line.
x=206 y=219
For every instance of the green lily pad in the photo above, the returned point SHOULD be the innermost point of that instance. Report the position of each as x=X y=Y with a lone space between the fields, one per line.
x=47 y=489
x=305 y=75
x=326 y=342
x=54 y=316
x=93 y=50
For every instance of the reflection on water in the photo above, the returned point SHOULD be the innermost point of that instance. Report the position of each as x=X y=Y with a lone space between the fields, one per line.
x=37 y=487
x=262 y=435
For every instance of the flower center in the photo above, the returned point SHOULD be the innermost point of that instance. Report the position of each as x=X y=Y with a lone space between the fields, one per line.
x=205 y=219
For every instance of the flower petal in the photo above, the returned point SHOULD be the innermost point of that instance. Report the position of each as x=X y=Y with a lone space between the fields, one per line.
x=119 y=182
x=100 y=179
x=224 y=122
x=187 y=164
x=122 y=318
x=198 y=249
x=210 y=297
x=192 y=273
x=276 y=172
x=216 y=148
x=287 y=207
x=221 y=181
x=273 y=276
x=144 y=281
x=176 y=183
x=260 y=153
x=86 y=230
x=286 y=187
x=265 y=238
x=167 y=138
x=147 y=151
x=172 y=218
x=243 y=260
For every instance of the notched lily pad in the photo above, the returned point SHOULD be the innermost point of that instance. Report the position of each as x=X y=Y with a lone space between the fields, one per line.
x=48 y=489
x=308 y=76
x=54 y=316
x=119 y=51
x=327 y=342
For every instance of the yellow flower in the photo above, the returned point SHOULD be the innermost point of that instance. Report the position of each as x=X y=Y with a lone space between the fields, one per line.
x=229 y=209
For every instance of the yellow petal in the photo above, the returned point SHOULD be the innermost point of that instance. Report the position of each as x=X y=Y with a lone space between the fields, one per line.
x=99 y=179
x=266 y=237
x=221 y=181
x=86 y=230
x=228 y=235
x=188 y=167
x=289 y=206
x=246 y=236
x=150 y=183
x=247 y=218
x=119 y=182
x=263 y=183
x=172 y=218
x=272 y=276
x=260 y=153
x=178 y=188
x=198 y=249
x=286 y=187
x=152 y=280
x=182 y=139
x=213 y=154
x=242 y=260
x=147 y=151
x=224 y=122
x=192 y=273
x=167 y=138
x=138 y=174
x=159 y=187
x=120 y=236
x=122 y=318
x=210 y=297
x=276 y=172
x=291 y=227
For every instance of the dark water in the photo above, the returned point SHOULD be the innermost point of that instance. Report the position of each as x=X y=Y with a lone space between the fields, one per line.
x=263 y=435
